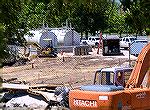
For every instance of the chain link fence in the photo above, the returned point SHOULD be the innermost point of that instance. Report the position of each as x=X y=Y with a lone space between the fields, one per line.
x=67 y=69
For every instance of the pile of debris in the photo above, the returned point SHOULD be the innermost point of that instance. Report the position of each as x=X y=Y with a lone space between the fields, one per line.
x=34 y=97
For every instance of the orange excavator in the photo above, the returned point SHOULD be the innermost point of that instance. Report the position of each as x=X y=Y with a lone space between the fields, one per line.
x=134 y=96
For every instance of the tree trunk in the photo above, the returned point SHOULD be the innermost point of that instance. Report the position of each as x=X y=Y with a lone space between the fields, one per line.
x=81 y=35
x=86 y=34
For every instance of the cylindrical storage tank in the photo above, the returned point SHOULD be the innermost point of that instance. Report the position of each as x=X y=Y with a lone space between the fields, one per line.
x=67 y=37
x=72 y=38
x=38 y=36
x=60 y=33
x=48 y=35
x=33 y=36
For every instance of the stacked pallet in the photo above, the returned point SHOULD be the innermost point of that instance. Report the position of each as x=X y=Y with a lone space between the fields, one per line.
x=81 y=50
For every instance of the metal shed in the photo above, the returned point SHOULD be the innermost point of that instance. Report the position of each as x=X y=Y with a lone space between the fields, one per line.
x=111 y=45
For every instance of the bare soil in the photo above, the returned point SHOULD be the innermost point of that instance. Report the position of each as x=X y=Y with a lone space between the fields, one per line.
x=75 y=70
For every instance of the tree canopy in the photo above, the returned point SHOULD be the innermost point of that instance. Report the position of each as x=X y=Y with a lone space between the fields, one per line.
x=85 y=16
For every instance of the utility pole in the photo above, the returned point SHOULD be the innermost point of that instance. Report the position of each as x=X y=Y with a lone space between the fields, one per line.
x=100 y=41
x=129 y=55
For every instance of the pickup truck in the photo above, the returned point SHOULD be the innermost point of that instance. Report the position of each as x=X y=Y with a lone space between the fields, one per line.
x=92 y=41
x=124 y=42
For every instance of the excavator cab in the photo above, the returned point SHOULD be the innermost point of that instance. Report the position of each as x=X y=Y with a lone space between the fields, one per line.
x=111 y=97
x=112 y=76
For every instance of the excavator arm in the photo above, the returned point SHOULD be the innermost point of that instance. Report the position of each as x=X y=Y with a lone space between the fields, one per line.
x=140 y=69
x=111 y=97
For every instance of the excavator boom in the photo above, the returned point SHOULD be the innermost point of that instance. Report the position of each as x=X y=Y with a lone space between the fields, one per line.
x=140 y=69
x=111 y=97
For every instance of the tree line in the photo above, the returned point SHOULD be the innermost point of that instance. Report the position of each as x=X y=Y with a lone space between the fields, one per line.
x=85 y=16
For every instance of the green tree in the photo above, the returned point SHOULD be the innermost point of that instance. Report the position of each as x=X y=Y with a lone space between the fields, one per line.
x=137 y=14
x=9 y=11
x=33 y=15
x=55 y=13
x=135 y=19
x=89 y=16
x=86 y=16
x=3 y=41
x=145 y=7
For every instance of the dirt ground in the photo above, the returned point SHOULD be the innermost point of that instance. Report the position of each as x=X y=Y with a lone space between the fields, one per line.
x=75 y=70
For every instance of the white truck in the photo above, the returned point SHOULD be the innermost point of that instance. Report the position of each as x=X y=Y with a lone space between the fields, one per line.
x=92 y=41
x=124 y=42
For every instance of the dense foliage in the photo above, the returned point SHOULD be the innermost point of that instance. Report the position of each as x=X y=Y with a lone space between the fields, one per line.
x=85 y=16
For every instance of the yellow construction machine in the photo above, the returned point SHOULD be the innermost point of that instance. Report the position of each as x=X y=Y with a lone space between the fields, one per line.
x=48 y=51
